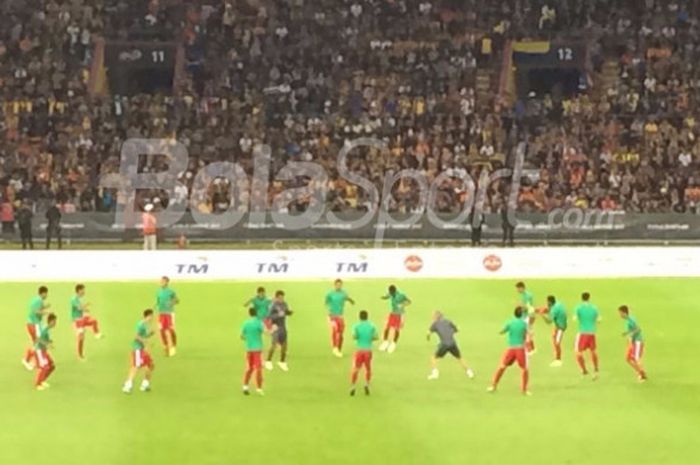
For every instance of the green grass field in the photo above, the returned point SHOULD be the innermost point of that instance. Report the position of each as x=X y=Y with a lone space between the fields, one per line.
x=196 y=413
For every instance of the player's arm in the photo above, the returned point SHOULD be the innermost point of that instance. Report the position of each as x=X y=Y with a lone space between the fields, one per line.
x=632 y=332
x=406 y=302
x=175 y=300
x=350 y=299
x=327 y=302
x=385 y=296
x=248 y=302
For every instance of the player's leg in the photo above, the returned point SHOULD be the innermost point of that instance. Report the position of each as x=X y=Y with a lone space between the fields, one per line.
x=634 y=359
x=439 y=353
x=594 y=356
x=173 y=334
x=41 y=364
x=522 y=359
x=29 y=356
x=149 y=366
x=257 y=366
x=333 y=327
x=506 y=361
x=248 y=373
x=457 y=354
x=340 y=329
x=137 y=361
x=80 y=339
x=385 y=337
x=164 y=327
x=579 y=347
x=355 y=371
x=284 y=344
x=368 y=371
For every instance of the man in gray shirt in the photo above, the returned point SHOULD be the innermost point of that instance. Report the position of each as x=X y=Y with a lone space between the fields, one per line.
x=446 y=331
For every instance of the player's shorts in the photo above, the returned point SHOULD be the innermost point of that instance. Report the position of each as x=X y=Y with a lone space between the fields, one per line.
x=33 y=329
x=558 y=335
x=43 y=359
x=141 y=358
x=268 y=323
x=394 y=321
x=254 y=359
x=635 y=351
x=515 y=354
x=363 y=358
x=166 y=320
x=337 y=323
x=443 y=350
x=280 y=335
x=81 y=323
x=585 y=342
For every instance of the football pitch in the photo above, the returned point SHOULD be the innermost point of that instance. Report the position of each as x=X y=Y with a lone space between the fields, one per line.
x=196 y=413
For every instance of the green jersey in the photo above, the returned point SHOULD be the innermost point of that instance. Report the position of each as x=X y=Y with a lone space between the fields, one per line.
x=587 y=315
x=261 y=306
x=35 y=307
x=335 y=302
x=43 y=339
x=397 y=302
x=632 y=328
x=143 y=332
x=165 y=300
x=557 y=313
x=251 y=332
x=364 y=333
x=76 y=307
x=516 y=329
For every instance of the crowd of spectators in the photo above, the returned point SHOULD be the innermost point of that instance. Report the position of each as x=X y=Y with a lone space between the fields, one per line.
x=307 y=77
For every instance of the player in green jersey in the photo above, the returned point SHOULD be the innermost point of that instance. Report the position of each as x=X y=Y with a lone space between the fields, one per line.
x=527 y=302
x=588 y=317
x=37 y=308
x=261 y=303
x=364 y=333
x=516 y=329
x=635 y=349
x=82 y=318
x=251 y=333
x=398 y=301
x=555 y=313
x=140 y=358
x=335 y=305
x=44 y=362
x=166 y=299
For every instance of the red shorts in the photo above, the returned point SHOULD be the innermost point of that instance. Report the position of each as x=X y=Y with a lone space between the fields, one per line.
x=43 y=359
x=141 y=358
x=394 y=321
x=557 y=335
x=268 y=323
x=337 y=323
x=635 y=351
x=83 y=322
x=516 y=354
x=167 y=320
x=254 y=360
x=33 y=330
x=585 y=342
x=363 y=358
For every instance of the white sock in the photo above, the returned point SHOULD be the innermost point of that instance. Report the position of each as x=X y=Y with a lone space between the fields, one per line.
x=128 y=384
x=435 y=371
x=145 y=383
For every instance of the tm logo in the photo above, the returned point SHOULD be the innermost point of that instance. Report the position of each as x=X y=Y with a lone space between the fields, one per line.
x=351 y=267
x=273 y=268
x=192 y=268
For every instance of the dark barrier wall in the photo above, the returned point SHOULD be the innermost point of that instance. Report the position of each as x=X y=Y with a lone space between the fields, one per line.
x=574 y=225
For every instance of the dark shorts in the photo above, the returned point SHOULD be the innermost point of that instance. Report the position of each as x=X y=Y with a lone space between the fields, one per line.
x=280 y=336
x=443 y=350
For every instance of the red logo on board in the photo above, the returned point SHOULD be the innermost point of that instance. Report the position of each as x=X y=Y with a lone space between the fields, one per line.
x=413 y=263
x=492 y=262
